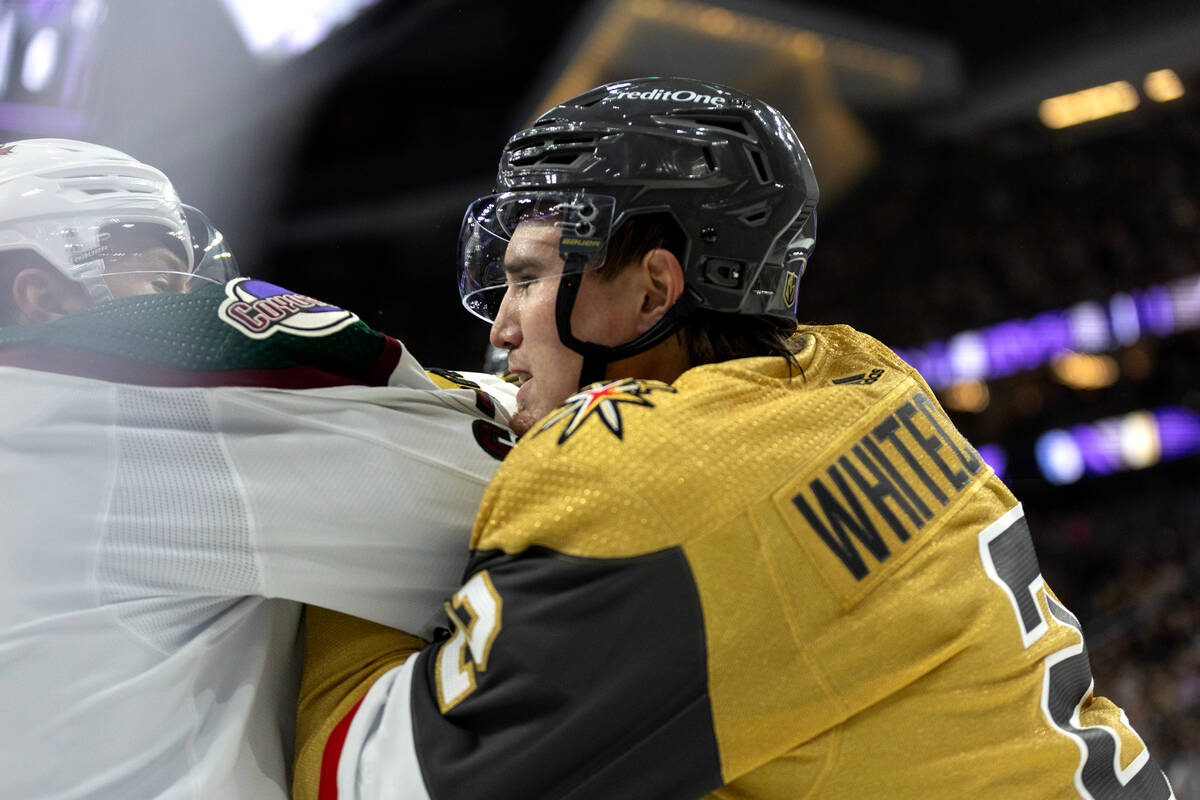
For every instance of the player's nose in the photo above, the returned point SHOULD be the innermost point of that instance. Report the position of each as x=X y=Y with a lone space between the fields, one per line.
x=506 y=332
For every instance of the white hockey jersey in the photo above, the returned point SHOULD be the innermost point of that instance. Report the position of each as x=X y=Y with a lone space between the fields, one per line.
x=164 y=526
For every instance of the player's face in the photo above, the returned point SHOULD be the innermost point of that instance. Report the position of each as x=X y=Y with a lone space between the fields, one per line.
x=604 y=313
x=152 y=270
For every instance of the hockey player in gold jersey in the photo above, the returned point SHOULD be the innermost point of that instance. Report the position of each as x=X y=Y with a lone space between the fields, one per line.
x=730 y=556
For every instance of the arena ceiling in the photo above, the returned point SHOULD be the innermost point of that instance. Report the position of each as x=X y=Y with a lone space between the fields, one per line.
x=417 y=115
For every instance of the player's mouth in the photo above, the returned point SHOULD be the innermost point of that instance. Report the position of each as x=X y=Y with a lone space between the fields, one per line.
x=523 y=382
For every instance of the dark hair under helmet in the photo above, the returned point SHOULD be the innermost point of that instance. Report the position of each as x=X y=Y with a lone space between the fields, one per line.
x=727 y=166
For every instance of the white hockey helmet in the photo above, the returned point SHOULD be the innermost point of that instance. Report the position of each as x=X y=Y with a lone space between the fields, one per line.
x=64 y=199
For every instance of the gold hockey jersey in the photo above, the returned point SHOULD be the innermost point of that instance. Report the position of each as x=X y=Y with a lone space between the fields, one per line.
x=754 y=584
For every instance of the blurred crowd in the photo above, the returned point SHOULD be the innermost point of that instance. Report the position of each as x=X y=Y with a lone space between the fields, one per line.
x=953 y=236
x=1126 y=561
x=956 y=236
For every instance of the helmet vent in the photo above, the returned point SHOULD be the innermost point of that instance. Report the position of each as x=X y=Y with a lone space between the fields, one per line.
x=559 y=159
x=760 y=165
x=557 y=151
x=553 y=158
x=107 y=190
x=728 y=124
x=756 y=216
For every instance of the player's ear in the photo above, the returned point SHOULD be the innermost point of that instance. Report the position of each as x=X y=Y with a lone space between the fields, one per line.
x=42 y=295
x=661 y=283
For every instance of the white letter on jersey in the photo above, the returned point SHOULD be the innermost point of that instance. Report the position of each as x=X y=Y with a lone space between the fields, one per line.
x=455 y=673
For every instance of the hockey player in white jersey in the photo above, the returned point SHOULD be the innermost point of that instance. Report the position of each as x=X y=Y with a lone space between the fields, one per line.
x=186 y=457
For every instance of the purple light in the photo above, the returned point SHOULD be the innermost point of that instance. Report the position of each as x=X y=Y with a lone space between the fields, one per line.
x=914 y=358
x=1178 y=431
x=1154 y=310
x=939 y=363
x=1123 y=318
x=1011 y=347
x=1100 y=445
x=1052 y=330
x=995 y=457
x=48 y=12
x=44 y=119
x=1088 y=327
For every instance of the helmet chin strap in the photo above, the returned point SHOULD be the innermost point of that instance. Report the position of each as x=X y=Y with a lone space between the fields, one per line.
x=597 y=357
x=92 y=279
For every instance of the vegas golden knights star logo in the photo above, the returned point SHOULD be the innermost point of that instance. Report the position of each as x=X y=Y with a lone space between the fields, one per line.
x=601 y=400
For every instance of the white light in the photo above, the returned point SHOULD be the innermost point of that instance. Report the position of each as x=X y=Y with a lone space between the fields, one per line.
x=41 y=57
x=1089 y=327
x=1185 y=302
x=279 y=28
x=968 y=356
x=1059 y=457
x=1140 y=446
x=87 y=13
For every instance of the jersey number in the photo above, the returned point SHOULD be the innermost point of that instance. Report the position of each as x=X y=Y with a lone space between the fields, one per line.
x=1008 y=557
x=467 y=650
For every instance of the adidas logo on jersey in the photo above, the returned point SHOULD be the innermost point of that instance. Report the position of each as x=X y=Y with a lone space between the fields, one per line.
x=862 y=378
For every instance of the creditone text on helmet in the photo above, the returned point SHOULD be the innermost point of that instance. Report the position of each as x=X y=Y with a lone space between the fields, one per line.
x=678 y=96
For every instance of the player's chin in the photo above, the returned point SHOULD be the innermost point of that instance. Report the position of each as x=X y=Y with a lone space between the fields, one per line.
x=522 y=421
x=528 y=408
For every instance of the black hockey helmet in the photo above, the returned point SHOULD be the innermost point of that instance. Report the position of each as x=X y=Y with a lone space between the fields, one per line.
x=727 y=167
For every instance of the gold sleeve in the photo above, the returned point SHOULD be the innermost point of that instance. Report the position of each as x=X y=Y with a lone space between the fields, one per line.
x=343 y=656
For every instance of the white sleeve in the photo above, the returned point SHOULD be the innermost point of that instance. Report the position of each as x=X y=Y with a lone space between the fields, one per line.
x=379 y=757
x=503 y=392
x=359 y=499
x=409 y=374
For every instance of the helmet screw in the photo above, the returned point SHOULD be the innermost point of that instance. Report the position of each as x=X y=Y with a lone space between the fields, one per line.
x=708 y=234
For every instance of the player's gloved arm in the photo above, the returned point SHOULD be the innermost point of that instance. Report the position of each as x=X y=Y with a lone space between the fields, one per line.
x=562 y=677
x=343 y=656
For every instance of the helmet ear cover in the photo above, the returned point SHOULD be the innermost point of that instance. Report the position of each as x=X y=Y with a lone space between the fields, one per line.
x=597 y=357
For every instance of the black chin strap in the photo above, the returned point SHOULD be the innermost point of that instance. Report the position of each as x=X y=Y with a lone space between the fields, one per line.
x=597 y=357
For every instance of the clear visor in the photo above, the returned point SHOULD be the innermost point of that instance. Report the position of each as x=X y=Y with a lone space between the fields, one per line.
x=517 y=238
x=177 y=260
